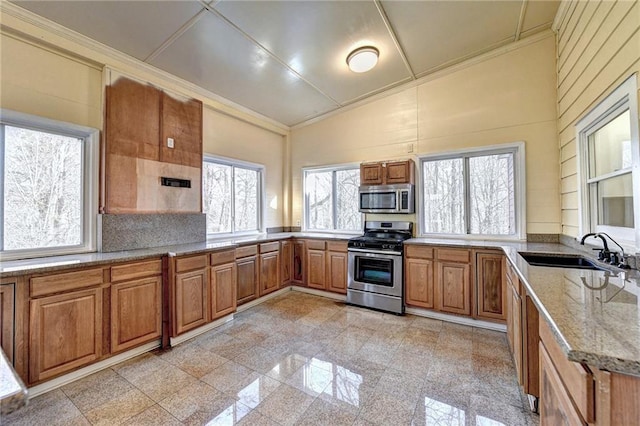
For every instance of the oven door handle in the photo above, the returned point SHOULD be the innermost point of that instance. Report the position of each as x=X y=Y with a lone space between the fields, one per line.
x=390 y=253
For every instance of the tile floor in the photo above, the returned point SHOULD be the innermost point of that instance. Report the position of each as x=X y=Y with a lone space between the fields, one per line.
x=306 y=360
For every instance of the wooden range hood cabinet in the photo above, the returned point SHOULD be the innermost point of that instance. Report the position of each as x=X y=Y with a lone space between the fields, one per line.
x=139 y=120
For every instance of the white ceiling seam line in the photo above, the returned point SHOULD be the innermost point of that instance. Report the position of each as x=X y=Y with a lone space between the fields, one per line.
x=523 y=14
x=272 y=55
x=173 y=37
x=394 y=37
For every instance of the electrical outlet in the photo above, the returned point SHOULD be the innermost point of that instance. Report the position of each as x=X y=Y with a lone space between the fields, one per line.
x=170 y=142
x=410 y=148
x=298 y=222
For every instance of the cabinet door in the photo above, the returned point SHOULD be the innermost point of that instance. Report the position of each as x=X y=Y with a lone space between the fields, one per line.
x=269 y=272
x=182 y=121
x=337 y=274
x=7 y=309
x=490 y=286
x=286 y=262
x=191 y=301
x=454 y=288
x=316 y=262
x=516 y=326
x=510 y=313
x=419 y=282
x=556 y=407
x=299 y=262
x=65 y=332
x=399 y=172
x=136 y=312
x=371 y=174
x=223 y=290
x=247 y=279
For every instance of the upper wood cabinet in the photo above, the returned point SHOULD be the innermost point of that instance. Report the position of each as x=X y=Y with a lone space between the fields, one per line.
x=7 y=309
x=387 y=173
x=490 y=287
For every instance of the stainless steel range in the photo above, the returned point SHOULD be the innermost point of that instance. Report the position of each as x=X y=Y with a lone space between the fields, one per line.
x=375 y=277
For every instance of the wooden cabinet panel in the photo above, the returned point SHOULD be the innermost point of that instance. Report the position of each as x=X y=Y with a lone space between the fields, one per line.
x=453 y=255
x=7 y=312
x=133 y=271
x=65 y=333
x=219 y=258
x=267 y=247
x=299 y=259
x=316 y=273
x=269 y=272
x=58 y=283
x=182 y=121
x=246 y=251
x=190 y=301
x=617 y=397
x=371 y=174
x=453 y=289
x=286 y=263
x=184 y=264
x=490 y=286
x=516 y=327
x=316 y=245
x=419 y=282
x=530 y=339
x=421 y=252
x=247 y=279
x=399 y=172
x=555 y=405
x=337 y=274
x=136 y=312
x=223 y=290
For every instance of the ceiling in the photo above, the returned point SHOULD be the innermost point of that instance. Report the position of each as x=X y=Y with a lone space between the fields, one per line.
x=286 y=60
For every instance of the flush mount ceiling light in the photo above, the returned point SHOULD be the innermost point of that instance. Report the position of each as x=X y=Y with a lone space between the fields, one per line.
x=363 y=59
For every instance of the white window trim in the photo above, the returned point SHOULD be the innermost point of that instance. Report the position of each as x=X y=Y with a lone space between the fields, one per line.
x=518 y=148
x=624 y=95
x=262 y=195
x=90 y=181
x=325 y=168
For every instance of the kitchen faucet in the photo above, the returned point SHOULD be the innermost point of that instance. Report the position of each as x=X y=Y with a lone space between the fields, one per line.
x=606 y=255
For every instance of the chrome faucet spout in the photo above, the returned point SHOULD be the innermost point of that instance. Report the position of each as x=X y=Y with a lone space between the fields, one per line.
x=598 y=235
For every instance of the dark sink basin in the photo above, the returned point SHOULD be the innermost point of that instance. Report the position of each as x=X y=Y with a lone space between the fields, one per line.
x=576 y=262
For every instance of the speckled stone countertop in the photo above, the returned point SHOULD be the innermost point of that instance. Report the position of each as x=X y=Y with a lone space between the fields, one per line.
x=13 y=393
x=13 y=268
x=594 y=315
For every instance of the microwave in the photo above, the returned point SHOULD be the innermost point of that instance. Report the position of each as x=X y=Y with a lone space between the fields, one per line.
x=386 y=198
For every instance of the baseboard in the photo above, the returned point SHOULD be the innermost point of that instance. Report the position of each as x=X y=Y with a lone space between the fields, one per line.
x=90 y=369
x=321 y=293
x=200 y=330
x=457 y=319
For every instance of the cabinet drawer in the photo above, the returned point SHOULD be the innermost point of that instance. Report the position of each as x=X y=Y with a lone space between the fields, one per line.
x=268 y=247
x=511 y=273
x=65 y=282
x=454 y=255
x=246 y=251
x=419 y=252
x=191 y=263
x=136 y=270
x=337 y=246
x=223 y=257
x=577 y=380
x=315 y=244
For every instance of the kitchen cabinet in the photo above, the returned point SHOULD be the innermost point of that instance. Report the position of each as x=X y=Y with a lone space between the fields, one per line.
x=490 y=286
x=286 y=263
x=387 y=172
x=65 y=332
x=247 y=274
x=337 y=267
x=316 y=264
x=453 y=281
x=299 y=258
x=419 y=276
x=7 y=318
x=269 y=267
x=190 y=293
x=223 y=284
x=514 y=329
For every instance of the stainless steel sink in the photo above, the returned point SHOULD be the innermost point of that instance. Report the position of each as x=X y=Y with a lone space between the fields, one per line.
x=560 y=261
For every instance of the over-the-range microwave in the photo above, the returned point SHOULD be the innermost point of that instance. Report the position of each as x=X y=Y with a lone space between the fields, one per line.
x=386 y=198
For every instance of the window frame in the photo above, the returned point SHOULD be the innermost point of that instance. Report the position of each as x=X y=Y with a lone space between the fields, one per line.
x=90 y=161
x=622 y=98
x=305 y=199
x=519 y=160
x=247 y=165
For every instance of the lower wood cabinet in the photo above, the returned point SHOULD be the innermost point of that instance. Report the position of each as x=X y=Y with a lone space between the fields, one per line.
x=514 y=328
x=419 y=282
x=286 y=263
x=490 y=286
x=7 y=318
x=223 y=290
x=136 y=312
x=453 y=288
x=247 y=279
x=269 y=272
x=298 y=264
x=337 y=272
x=190 y=307
x=65 y=332
x=316 y=269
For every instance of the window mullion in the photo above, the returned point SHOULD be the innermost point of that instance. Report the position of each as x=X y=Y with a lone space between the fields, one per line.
x=334 y=198
x=467 y=195
x=233 y=199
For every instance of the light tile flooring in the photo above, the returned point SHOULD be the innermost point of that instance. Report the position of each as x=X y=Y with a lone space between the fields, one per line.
x=308 y=360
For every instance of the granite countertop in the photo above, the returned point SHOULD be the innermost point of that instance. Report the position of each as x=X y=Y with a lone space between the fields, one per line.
x=13 y=393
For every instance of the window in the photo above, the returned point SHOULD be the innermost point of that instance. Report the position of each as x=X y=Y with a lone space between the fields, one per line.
x=474 y=193
x=331 y=199
x=608 y=150
x=48 y=187
x=232 y=196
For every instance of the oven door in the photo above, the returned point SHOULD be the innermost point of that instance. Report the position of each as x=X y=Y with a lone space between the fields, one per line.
x=375 y=271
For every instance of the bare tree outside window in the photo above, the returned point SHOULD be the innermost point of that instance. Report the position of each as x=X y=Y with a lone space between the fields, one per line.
x=444 y=196
x=348 y=215
x=246 y=195
x=319 y=199
x=492 y=194
x=331 y=199
x=43 y=189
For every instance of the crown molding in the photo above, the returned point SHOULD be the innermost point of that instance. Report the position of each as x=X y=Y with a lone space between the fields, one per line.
x=20 y=22
x=560 y=15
